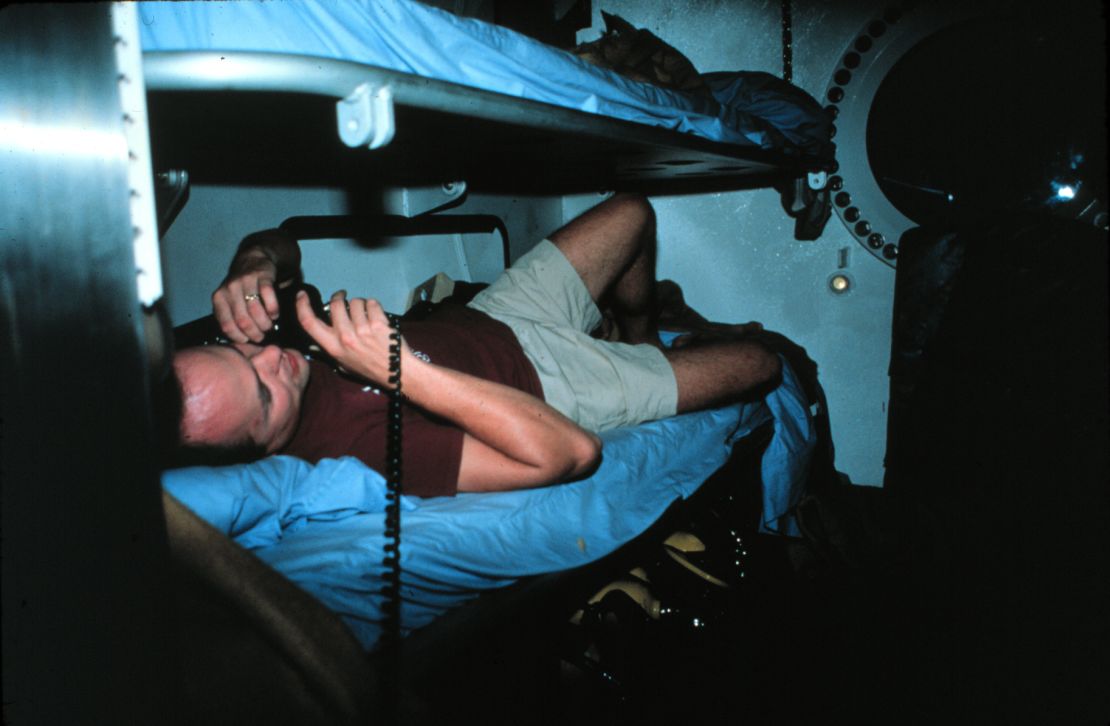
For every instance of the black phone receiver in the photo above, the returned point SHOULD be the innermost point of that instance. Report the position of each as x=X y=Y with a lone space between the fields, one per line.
x=287 y=331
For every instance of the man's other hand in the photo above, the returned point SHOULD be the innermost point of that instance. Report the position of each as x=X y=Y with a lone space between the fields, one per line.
x=245 y=304
x=358 y=337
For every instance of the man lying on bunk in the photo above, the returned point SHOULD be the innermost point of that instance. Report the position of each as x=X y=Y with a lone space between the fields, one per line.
x=506 y=392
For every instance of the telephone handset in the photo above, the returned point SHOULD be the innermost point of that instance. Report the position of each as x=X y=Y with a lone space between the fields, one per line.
x=287 y=331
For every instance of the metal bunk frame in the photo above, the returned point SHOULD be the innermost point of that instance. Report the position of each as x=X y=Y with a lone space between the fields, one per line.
x=369 y=100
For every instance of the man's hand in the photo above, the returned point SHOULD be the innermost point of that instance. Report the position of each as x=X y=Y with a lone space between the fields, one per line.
x=245 y=304
x=358 y=337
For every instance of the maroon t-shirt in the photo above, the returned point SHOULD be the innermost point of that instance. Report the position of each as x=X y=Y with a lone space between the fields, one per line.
x=342 y=416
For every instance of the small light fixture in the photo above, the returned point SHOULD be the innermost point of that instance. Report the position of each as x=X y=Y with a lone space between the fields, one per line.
x=840 y=283
x=1064 y=190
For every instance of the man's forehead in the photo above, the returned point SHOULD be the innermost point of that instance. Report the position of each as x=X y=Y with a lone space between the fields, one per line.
x=220 y=370
x=220 y=391
x=213 y=360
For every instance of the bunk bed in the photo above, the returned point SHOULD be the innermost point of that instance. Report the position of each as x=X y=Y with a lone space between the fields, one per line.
x=428 y=97
x=392 y=92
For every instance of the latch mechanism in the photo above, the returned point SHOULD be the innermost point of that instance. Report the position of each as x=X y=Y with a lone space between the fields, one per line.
x=366 y=117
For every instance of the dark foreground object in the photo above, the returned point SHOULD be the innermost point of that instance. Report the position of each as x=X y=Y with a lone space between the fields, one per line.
x=972 y=588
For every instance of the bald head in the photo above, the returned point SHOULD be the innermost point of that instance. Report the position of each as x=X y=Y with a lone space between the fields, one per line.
x=240 y=395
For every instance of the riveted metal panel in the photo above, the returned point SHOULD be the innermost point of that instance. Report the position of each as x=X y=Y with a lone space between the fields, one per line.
x=83 y=541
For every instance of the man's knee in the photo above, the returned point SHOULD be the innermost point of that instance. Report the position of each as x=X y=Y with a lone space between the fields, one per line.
x=757 y=368
x=723 y=371
x=633 y=207
x=767 y=366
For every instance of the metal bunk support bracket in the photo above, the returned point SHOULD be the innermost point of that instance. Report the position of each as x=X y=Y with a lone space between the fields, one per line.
x=807 y=201
x=171 y=192
x=415 y=201
x=366 y=116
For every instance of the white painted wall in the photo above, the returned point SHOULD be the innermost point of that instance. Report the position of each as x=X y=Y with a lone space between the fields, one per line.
x=734 y=253
x=198 y=247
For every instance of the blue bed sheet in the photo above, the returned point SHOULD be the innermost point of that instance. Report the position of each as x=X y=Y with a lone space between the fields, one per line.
x=321 y=525
x=407 y=36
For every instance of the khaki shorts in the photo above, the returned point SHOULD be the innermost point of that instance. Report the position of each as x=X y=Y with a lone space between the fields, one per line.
x=598 y=384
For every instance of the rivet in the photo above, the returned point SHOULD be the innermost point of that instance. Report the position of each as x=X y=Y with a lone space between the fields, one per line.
x=863 y=227
x=863 y=44
x=843 y=199
x=836 y=94
x=843 y=76
x=851 y=214
x=876 y=241
x=890 y=252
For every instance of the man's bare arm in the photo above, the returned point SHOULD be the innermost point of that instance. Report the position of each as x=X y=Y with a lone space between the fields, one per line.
x=512 y=440
x=245 y=304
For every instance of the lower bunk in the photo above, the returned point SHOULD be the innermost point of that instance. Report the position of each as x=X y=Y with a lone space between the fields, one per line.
x=283 y=569
x=601 y=642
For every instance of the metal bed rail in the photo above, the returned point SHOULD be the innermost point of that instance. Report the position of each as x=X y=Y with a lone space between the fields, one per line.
x=367 y=96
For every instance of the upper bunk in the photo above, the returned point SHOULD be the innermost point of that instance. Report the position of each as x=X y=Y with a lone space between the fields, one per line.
x=394 y=92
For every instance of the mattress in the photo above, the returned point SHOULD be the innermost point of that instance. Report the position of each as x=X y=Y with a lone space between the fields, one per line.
x=745 y=108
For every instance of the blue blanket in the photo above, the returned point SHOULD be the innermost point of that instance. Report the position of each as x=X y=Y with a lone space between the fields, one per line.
x=322 y=527
x=749 y=109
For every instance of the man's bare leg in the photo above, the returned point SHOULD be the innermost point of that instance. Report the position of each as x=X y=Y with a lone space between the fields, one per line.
x=716 y=372
x=612 y=247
